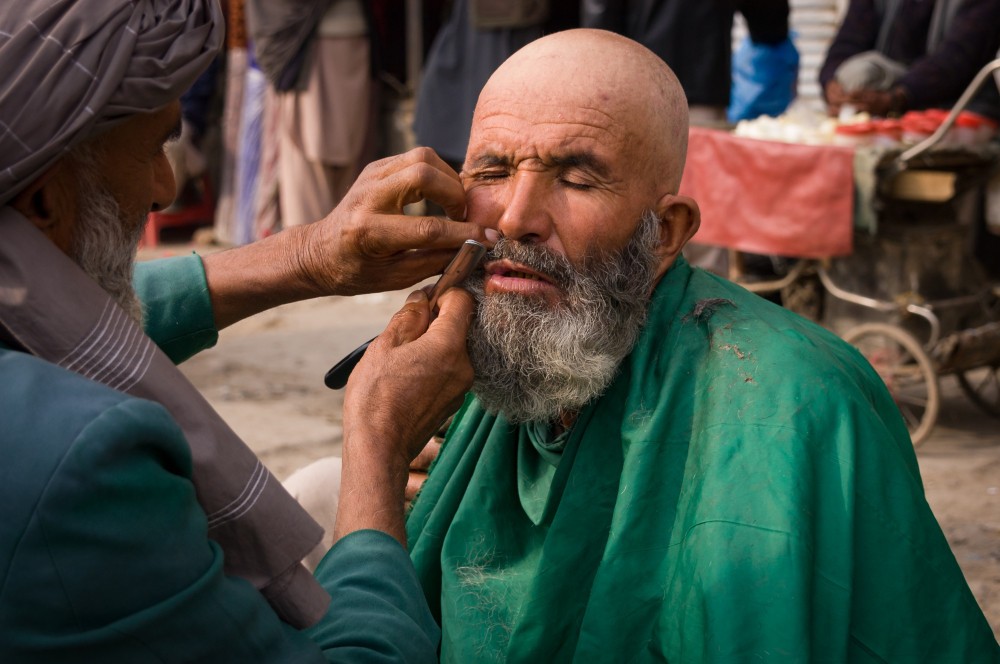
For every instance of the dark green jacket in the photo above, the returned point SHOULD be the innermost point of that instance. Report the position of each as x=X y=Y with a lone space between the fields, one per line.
x=104 y=553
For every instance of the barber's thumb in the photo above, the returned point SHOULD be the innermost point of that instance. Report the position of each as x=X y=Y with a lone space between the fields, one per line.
x=411 y=321
x=417 y=296
x=455 y=307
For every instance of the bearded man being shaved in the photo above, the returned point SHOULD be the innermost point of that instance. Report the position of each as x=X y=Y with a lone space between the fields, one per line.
x=136 y=526
x=656 y=465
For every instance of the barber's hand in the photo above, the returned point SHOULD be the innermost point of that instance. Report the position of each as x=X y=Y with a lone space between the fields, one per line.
x=365 y=245
x=368 y=245
x=412 y=377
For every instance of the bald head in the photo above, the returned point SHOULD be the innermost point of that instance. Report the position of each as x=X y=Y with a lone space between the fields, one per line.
x=607 y=74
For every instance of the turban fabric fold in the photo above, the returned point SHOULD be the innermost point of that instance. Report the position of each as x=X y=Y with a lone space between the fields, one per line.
x=71 y=69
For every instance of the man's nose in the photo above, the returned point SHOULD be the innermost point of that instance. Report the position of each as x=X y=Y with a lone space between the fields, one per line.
x=526 y=217
x=164 y=185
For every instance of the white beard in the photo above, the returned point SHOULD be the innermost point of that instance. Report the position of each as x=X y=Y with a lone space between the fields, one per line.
x=534 y=361
x=105 y=244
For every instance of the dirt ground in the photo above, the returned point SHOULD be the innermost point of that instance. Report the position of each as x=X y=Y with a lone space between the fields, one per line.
x=265 y=378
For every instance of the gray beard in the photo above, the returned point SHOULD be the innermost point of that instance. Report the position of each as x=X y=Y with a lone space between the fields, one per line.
x=105 y=244
x=534 y=361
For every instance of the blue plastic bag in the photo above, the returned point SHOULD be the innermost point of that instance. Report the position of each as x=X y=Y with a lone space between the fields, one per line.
x=764 y=79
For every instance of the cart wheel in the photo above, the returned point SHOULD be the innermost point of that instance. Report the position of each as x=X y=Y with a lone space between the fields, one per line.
x=905 y=369
x=985 y=391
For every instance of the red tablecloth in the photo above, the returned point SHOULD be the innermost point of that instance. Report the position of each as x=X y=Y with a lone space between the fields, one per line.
x=766 y=197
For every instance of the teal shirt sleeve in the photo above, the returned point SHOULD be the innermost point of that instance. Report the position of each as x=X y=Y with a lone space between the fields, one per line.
x=378 y=613
x=105 y=554
x=176 y=305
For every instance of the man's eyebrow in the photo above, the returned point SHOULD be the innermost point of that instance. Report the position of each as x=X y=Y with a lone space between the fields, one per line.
x=487 y=160
x=587 y=161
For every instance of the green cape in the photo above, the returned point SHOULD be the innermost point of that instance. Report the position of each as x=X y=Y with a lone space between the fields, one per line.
x=745 y=490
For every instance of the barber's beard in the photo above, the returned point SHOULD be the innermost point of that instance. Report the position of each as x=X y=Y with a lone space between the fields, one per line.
x=535 y=360
x=105 y=244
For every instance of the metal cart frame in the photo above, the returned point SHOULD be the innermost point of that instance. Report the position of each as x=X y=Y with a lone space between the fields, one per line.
x=911 y=337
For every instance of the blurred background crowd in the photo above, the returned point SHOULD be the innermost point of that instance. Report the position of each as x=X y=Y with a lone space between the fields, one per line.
x=308 y=92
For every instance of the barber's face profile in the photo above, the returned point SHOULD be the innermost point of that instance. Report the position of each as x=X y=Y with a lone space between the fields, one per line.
x=133 y=164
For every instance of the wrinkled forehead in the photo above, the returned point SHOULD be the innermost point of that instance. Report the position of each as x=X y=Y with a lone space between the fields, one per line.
x=575 y=114
x=569 y=79
x=556 y=103
x=597 y=79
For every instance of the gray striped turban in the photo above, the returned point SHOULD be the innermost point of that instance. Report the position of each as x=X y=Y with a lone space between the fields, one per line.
x=70 y=69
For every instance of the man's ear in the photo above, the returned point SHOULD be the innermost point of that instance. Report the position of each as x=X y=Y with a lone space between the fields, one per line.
x=679 y=220
x=50 y=204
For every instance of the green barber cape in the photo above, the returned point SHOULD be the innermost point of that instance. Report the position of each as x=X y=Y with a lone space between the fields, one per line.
x=745 y=491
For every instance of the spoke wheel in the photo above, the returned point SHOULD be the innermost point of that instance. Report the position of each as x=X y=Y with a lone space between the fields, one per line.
x=905 y=369
x=982 y=390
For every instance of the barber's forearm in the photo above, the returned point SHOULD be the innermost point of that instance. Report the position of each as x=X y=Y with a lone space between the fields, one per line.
x=372 y=495
x=247 y=280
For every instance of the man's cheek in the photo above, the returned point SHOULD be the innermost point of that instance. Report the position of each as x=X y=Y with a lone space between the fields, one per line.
x=484 y=209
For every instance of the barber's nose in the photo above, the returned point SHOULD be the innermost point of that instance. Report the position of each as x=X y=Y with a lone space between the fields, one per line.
x=164 y=185
x=526 y=217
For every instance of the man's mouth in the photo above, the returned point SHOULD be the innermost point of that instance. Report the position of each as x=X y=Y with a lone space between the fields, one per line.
x=512 y=270
x=505 y=276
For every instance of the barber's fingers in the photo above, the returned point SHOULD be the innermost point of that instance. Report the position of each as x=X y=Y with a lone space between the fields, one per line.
x=455 y=307
x=409 y=323
x=420 y=173
x=420 y=180
x=389 y=165
x=388 y=234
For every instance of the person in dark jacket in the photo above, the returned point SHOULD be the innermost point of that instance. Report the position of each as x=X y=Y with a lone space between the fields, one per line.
x=926 y=53
x=694 y=38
